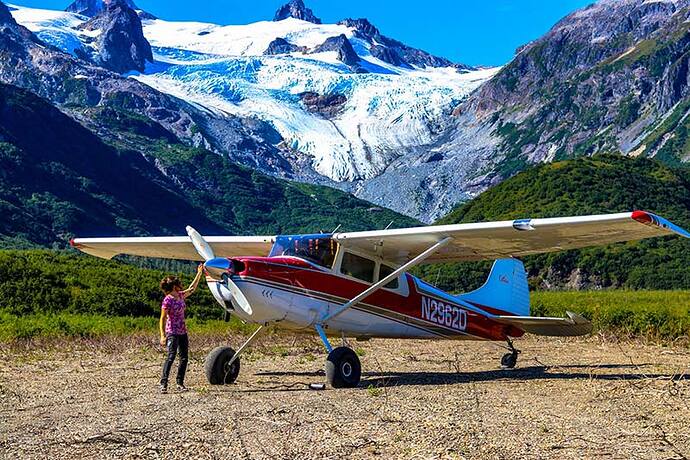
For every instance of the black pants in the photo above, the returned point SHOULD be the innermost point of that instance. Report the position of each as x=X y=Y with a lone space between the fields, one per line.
x=174 y=343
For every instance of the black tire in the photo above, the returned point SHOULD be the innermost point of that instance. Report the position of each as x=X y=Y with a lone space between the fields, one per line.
x=509 y=360
x=343 y=369
x=216 y=366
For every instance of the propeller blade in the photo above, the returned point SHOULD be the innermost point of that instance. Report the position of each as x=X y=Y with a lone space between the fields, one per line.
x=238 y=298
x=213 y=265
x=200 y=244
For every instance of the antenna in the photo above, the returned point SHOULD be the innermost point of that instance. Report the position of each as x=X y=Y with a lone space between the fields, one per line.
x=336 y=229
x=389 y=225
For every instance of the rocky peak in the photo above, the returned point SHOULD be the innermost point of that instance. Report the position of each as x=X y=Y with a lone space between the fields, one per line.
x=363 y=28
x=92 y=8
x=340 y=44
x=393 y=51
x=121 y=46
x=296 y=9
x=5 y=16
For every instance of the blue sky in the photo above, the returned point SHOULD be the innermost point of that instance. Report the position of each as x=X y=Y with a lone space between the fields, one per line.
x=469 y=31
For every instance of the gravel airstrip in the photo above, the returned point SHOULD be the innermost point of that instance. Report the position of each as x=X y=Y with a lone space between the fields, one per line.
x=596 y=397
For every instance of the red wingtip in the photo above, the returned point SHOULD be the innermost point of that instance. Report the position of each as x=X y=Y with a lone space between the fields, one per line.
x=71 y=242
x=642 y=217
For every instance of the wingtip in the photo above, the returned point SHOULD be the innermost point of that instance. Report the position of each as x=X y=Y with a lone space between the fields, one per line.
x=643 y=217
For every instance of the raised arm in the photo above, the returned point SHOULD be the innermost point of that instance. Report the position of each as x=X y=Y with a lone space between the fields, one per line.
x=192 y=287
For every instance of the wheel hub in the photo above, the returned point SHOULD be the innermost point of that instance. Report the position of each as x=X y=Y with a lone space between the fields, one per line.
x=346 y=369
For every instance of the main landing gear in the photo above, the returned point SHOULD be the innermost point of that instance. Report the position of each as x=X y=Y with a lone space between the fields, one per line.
x=509 y=360
x=343 y=369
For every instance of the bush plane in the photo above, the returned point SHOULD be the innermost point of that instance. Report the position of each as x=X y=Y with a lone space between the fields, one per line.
x=356 y=284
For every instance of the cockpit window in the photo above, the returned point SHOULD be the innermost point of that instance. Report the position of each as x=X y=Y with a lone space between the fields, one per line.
x=319 y=249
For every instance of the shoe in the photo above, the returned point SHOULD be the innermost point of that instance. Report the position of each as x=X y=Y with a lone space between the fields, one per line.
x=163 y=389
x=182 y=388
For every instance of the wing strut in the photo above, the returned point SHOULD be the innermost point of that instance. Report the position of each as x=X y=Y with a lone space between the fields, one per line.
x=378 y=285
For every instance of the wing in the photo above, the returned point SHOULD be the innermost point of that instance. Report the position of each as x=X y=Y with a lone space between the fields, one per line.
x=174 y=247
x=511 y=238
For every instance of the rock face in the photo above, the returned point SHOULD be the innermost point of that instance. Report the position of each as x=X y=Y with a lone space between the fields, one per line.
x=393 y=51
x=328 y=105
x=341 y=45
x=121 y=44
x=93 y=8
x=5 y=15
x=610 y=77
x=282 y=46
x=296 y=9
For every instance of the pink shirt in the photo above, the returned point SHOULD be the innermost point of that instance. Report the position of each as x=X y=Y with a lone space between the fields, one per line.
x=174 y=307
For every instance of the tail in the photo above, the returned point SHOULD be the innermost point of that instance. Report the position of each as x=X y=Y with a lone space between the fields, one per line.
x=505 y=291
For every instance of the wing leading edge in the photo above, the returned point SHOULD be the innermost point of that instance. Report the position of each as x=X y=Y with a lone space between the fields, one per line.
x=511 y=238
x=174 y=247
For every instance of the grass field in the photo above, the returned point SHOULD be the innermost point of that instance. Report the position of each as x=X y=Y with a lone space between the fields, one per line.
x=27 y=327
x=663 y=315
x=656 y=314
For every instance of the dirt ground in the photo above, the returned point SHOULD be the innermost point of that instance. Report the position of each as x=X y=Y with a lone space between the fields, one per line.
x=584 y=398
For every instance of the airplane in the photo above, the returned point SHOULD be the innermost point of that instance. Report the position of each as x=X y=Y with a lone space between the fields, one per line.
x=356 y=284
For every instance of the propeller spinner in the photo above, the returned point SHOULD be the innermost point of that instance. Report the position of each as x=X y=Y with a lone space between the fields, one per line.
x=214 y=264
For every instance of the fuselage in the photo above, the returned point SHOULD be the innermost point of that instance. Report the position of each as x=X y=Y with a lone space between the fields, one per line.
x=294 y=293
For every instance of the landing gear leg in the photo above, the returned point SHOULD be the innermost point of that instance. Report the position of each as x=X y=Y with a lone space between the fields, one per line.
x=509 y=360
x=343 y=369
x=222 y=365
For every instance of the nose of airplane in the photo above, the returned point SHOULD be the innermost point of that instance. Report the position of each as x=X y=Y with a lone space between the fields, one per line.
x=218 y=266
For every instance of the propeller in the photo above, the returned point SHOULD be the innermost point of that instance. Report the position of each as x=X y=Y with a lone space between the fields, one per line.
x=215 y=265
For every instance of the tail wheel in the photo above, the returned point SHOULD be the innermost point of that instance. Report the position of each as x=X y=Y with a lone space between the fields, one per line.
x=217 y=366
x=343 y=369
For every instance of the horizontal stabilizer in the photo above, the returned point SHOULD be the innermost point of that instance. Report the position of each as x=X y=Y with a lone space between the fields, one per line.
x=573 y=325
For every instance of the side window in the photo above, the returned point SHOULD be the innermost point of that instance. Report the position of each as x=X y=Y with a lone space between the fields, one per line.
x=384 y=271
x=358 y=267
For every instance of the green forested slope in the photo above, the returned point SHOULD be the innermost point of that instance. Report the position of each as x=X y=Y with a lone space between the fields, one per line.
x=58 y=179
x=601 y=184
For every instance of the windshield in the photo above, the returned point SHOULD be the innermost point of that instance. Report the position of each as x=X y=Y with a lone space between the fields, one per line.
x=319 y=249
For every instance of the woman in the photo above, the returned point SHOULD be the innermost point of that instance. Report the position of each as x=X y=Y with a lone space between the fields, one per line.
x=173 y=328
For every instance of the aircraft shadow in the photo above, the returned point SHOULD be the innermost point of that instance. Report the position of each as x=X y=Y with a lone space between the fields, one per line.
x=388 y=379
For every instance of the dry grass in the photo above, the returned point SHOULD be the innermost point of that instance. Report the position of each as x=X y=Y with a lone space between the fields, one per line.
x=587 y=398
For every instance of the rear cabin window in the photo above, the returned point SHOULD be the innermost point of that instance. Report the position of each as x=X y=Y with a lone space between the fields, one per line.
x=384 y=271
x=358 y=267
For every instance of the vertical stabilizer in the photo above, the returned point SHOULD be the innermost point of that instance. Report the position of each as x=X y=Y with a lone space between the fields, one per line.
x=506 y=289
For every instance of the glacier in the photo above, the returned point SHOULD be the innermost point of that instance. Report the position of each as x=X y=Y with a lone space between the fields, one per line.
x=392 y=116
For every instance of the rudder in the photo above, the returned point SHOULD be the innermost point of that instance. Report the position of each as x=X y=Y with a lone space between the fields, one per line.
x=506 y=289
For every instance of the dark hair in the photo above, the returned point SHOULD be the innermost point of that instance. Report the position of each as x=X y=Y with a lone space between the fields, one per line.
x=169 y=282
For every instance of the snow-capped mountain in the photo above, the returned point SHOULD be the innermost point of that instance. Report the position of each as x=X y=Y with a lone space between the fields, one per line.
x=346 y=101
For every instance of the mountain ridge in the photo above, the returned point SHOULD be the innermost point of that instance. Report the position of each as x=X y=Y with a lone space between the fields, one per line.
x=58 y=179
x=611 y=77
x=600 y=184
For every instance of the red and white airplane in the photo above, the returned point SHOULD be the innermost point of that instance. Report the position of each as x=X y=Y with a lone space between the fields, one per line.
x=356 y=284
